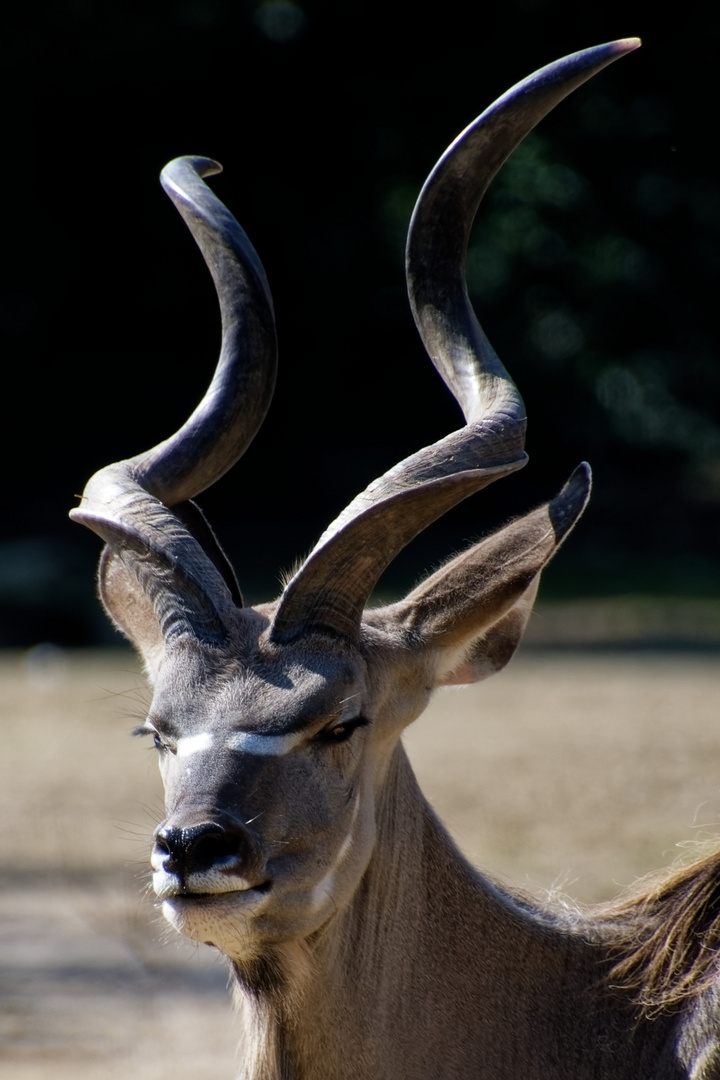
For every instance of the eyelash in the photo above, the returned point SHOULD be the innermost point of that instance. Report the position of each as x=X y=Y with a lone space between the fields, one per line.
x=341 y=732
x=157 y=739
x=333 y=736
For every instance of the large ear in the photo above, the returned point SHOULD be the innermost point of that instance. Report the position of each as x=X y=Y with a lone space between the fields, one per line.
x=153 y=599
x=164 y=582
x=130 y=609
x=471 y=614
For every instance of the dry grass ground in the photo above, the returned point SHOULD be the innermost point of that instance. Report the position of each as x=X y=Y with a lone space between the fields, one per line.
x=584 y=770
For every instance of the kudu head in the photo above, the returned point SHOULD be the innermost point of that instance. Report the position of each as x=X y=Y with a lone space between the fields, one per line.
x=277 y=726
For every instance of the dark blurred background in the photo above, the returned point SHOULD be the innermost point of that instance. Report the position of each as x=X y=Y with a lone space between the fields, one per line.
x=594 y=271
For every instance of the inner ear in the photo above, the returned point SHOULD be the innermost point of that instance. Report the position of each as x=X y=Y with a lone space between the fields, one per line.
x=129 y=608
x=470 y=615
x=491 y=652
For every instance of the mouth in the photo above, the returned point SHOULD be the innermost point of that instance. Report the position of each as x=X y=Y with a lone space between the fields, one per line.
x=205 y=886
x=226 y=920
x=187 y=896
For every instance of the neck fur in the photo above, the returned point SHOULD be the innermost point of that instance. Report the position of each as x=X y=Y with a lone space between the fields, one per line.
x=393 y=982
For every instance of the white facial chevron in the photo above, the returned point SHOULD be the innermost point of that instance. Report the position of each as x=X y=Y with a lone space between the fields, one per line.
x=245 y=741
x=264 y=745
x=193 y=744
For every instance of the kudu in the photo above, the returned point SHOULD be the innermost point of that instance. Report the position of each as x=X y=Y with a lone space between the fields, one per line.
x=297 y=841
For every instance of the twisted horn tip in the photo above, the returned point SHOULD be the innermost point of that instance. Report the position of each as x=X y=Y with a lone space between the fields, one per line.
x=626 y=45
x=201 y=166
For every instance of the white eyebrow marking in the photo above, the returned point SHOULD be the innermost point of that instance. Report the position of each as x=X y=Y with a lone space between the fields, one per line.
x=192 y=744
x=249 y=742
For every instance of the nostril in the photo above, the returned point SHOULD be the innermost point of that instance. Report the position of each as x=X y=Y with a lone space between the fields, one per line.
x=216 y=850
x=172 y=847
x=168 y=851
x=202 y=847
x=162 y=845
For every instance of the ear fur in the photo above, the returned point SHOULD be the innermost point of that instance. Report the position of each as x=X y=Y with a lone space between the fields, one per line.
x=129 y=608
x=490 y=653
x=471 y=614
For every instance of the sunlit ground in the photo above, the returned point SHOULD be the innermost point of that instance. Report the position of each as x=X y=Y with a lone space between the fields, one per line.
x=579 y=769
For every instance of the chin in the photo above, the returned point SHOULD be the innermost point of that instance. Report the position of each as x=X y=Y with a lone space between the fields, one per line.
x=225 y=921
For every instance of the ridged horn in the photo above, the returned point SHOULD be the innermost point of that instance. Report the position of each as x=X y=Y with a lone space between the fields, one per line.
x=128 y=503
x=331 y=588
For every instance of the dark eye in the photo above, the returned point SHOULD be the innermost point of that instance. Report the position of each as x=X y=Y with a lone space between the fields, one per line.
x=341 y=732
x=157 y=739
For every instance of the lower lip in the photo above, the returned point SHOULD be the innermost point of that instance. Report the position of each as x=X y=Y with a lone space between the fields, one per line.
x=212 y=898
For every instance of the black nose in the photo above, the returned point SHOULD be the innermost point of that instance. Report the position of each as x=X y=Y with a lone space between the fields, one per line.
x=203 y=847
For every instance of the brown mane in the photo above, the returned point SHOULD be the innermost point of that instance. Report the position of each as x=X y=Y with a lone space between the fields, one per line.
x=665 y=932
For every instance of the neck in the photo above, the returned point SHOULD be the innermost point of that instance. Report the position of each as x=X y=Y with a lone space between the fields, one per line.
x=431 y=970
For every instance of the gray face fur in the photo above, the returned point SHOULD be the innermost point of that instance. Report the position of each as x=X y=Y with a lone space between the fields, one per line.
x=280 y=799
x=274 y=755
